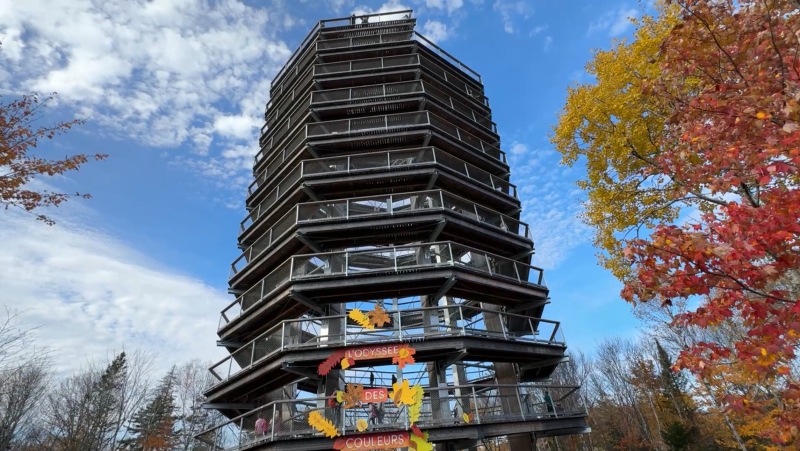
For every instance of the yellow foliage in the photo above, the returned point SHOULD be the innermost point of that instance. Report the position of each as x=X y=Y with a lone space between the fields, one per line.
x=613 y=124
x=421 y=443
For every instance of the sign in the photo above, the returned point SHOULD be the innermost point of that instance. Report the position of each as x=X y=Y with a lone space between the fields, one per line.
x=381 y=440
x=374 y=395
x=374 y=352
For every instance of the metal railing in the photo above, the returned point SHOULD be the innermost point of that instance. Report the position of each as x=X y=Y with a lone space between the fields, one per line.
x=352 y=42
x=383 y=124
x=376 y=206
x=358 y=41
x=390 y=90
x=354 y=164
x=381 y=260
x=406 y=326
x=486 y=404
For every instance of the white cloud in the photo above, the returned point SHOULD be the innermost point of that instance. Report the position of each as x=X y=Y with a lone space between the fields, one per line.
x=551 y=203
x=160 y=72
x=436 y=31
x=538 y=29
x=548 y=43
x=510 y=11
x=517 y=148
x=450 y=5
x=616 y=22
x=91 y=294
x=389 y=7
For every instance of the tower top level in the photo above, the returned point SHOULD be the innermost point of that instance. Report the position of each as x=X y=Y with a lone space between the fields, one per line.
x=383 y=253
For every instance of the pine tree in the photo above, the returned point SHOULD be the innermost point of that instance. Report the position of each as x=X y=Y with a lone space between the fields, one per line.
x=153 y=426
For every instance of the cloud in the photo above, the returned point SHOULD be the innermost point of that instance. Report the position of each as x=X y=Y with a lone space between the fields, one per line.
x=538 y=29
x=518 y=148
x=91 y=294
x=548 y=42
x=163 y=73
x=510 y=11
x=450 y=5
x=616 y=22
x=388 y=7
x=551 y=203
x=436 y=31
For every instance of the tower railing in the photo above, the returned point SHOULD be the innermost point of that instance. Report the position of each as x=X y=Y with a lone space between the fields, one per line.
x=376 y=207
x=463 y=405
x=396 y=259
x=390 y=91
x=385 y=124
x=370 y=162
x=448 y=321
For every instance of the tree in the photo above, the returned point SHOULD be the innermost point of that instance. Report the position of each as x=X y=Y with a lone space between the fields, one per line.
x=83 y=411
x=19 y=137
x=726 y=94
x=91 y=409
x=152 y=428
x=191 y=380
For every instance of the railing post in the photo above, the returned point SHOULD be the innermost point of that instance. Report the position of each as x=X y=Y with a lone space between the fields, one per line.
x=516 y=271
x=533 y=331
x=272 y=429
x=475 y=401
x=461 y=314
x=241 y=431
x=344 y=329
x=283 y=336
x=252 y=353
x=519 y=398
x=346 y=263
x=555 y=331
x=390 y=208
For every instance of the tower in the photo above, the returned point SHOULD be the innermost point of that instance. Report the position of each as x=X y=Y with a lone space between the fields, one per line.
x=383 y=244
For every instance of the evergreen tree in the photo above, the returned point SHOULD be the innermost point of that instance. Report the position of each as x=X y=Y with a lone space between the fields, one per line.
x=153 y=426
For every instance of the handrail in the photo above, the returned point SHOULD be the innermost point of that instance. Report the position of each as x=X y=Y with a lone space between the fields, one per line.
x=305 y=333
x=387 y=123
x=389 y=160
x=386 y=90
x=384 y=205
x=488 y=404
x=384 y=259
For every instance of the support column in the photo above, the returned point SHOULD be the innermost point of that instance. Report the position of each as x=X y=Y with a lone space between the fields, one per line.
x=506 y=374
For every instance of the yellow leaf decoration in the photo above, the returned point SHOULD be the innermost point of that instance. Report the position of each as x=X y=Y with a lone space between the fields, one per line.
x=467 y=417
x=323 y=425
x=415 y=408
x=362 y=425
x=421 y=443
x=378 y=316
x=339 y=396
x=345 y=363
x=362 y=319
x=402 y=395
x=404 y=356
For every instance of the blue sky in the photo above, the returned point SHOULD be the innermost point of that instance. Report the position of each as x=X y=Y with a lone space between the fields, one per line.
x=174 y=91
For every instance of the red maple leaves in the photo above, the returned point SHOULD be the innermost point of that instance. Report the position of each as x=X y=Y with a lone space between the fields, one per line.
x=734 y=144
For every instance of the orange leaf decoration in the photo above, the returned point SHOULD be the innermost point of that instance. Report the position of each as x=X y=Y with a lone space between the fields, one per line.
x=404 y=356
x=352 y=395
x=378 y=316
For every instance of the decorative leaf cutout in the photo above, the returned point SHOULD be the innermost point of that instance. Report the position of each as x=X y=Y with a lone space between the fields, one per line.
x=359 y=317
x=415 y=429
x=345 y=363
x=468 y=417
x=352 y=395
x=362 y=425
x=403 y=394
x=420 y=443
x=325 y=367
x=404 y=356
x=316 y=421
x=379 y=317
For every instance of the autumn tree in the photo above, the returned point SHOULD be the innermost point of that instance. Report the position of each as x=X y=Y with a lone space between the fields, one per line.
x=21 y=162
x=152 y=428
x=715 y=139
